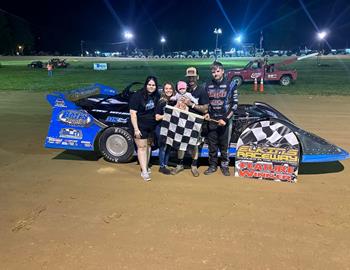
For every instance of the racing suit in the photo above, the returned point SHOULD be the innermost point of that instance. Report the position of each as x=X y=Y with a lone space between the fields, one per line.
x=223 y=101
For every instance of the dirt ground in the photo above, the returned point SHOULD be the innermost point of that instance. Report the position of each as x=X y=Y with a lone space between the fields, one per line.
x=66 y=210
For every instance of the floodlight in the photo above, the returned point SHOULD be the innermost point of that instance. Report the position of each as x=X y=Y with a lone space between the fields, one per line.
x=238 y=39
x=321 y=35
x=128 y=35
x=217 y=31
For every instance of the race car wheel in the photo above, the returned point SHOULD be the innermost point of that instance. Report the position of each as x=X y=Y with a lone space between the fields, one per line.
x=116 y=145
x=238 y=79
x=285 y=80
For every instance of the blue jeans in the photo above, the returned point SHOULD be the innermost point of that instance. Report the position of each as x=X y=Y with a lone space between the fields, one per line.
x=164 y=153
x=164 y=150
x=50 y=73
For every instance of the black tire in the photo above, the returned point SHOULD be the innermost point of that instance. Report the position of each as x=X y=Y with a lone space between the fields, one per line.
x=116 y=145
x=285 y=80
x=238 y=79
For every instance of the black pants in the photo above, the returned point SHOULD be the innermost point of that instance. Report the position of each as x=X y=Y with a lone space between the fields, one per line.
x=219 y=139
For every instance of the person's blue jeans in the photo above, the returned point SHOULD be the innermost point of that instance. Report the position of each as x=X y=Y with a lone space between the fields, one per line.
x=164 y=150
x=164 y=153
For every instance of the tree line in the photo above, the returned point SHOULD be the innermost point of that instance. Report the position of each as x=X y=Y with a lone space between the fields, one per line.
x=15 y=35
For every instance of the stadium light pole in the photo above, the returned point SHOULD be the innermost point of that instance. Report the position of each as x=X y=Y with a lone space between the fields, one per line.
x=20 y=49
x=128 y=36
x=238 y=41
x=82 y=47
x=321 y=38
x=162 y=41
x=217 y=32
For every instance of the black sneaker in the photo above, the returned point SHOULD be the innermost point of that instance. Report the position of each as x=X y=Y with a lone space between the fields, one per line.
x=210 y=170
x=164 y=170
x=225 y=171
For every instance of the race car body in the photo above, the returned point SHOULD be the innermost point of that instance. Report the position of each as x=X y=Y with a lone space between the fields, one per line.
x=97 y=118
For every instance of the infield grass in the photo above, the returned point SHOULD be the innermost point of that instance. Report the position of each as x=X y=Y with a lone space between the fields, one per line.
x=331 y=78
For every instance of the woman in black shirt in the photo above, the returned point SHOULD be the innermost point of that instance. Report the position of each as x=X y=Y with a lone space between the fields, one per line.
x=164 y=150
x=142 y=114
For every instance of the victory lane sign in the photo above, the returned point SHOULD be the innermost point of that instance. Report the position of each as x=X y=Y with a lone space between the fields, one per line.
x=268 y=150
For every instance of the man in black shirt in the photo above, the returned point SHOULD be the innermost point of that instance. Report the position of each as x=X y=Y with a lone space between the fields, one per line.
x=201 y=108
x=223 y=101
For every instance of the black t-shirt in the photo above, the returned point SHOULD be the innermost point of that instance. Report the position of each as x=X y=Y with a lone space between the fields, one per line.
x=202 y=95
x=145 y=108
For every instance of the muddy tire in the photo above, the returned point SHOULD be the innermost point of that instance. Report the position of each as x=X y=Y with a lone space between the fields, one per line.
x=116 y=145
x=285 y=80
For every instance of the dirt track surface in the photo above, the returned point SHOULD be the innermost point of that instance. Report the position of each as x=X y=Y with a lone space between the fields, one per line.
x=62 y=210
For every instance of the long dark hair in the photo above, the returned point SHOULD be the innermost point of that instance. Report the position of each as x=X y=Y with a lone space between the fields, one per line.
x=144 y=89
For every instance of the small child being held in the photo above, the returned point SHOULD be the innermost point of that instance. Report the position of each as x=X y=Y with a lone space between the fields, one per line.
x=181 y=89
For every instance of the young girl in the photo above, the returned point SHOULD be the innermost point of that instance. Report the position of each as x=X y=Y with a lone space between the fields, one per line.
x=142 y=114
x=164 y=150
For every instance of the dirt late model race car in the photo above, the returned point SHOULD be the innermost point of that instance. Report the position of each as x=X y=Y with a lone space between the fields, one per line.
x=96 y=118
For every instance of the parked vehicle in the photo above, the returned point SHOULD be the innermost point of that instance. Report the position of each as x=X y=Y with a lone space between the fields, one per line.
x=59 y=63
x=260 y=68
x=36 y=64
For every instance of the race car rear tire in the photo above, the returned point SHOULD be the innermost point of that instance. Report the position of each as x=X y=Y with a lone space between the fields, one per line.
x=238 y=79
x=285 y=80
x=116 y=145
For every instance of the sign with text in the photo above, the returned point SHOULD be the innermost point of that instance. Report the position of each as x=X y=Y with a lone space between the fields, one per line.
x=268 y=150
x=100 y=66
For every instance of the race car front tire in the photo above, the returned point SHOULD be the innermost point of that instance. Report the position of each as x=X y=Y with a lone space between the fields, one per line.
x=116 y=145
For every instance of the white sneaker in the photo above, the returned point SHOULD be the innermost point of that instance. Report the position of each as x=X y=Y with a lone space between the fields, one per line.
x=146 y=176
x=149 y=171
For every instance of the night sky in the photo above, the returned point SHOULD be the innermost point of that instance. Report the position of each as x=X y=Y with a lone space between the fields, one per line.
x=60 y=25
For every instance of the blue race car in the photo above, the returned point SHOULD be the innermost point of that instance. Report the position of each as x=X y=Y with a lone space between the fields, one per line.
x=96 y=118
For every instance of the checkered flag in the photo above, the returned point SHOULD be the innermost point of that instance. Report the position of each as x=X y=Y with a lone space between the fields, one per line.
x=270 y=133
x=181 y=129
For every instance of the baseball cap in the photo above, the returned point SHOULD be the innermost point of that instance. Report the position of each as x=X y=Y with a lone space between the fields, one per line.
x=191 y=72
x=181 y=85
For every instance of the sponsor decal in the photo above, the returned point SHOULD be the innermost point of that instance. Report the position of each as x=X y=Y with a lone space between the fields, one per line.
x=217 y=94
x=75 y=118
x=100 y=111
x=114 y=119
x=60 y=103
x=255 y=75
x=120 y=113
x=272 y=76
x=86 y=143
x=71 y=133
x=54 y=140
x=70 y=142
